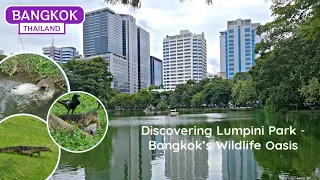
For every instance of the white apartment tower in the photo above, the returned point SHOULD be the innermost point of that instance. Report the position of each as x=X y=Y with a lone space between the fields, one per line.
x=237 y=45
x=184 y=58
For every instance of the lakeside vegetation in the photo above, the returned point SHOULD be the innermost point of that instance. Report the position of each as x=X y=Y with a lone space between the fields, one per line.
x=26 y=131
x=35 y=66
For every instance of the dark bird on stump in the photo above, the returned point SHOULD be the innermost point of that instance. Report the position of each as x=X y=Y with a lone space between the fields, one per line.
x=71 y=104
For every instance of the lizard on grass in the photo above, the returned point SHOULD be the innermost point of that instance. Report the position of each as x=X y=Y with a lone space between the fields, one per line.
x=25 y=150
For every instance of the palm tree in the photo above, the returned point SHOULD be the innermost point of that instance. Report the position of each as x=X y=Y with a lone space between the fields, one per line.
x=137 y=3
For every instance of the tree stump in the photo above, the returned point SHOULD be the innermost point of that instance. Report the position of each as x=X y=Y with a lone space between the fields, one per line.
x=57 y=123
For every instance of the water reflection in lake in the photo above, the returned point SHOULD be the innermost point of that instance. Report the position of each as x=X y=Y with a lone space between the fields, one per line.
x=124 y=153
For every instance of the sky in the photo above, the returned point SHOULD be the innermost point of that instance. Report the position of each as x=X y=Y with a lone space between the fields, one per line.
x=158 y=17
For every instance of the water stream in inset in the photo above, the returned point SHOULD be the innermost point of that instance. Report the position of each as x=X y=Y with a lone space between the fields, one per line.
x=13 y=104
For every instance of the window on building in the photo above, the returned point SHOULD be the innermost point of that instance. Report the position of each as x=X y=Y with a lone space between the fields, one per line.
x=247 y=40
x=247 y=35
x=248 y=54
x=230 y=31
x=247 y=30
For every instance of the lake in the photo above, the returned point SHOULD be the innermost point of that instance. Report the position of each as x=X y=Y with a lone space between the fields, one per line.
x=124 y=153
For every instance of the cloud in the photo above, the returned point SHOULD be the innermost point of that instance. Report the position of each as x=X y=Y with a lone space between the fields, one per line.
x=145 y=25
x=160 y=18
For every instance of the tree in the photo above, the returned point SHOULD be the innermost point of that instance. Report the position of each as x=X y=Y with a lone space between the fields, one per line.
x=311 y=91
x=243 y=93
x=137 y=3
x=184 y=92
x=161 y=105
x=152 y=87
x=145 y=98
x=90 y=76
x=289 y=53
x=218 y=92
x=241 y=76
x=197 y=99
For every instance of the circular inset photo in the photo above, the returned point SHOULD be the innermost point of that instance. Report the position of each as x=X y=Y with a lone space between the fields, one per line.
x=77 y=121
x=29 y=83
x=26 y=149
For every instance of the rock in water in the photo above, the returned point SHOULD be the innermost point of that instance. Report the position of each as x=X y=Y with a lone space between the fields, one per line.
x=26 y=88
x=43 y=90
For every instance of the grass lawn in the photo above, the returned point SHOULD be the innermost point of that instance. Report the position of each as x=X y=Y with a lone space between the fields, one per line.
x=26 y=131
x=78 y=142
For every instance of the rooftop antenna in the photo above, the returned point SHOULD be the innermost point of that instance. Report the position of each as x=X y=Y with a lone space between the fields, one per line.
x=214 y=71
x=20 y=39
x=52 y=43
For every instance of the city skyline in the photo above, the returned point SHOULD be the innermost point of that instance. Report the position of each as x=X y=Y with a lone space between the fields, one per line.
x=123 y=43
x=167 y=18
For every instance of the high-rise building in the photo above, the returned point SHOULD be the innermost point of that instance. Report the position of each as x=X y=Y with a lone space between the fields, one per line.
x=184 y=58
x=105 y=31
x=102 y=32
x=156 y=71
x=143 y=58
x=52 y=52
x=130 y=48
x=67 y=53
x=1 y=52
x=237 y=45
x=118 y=66
x=62 y=54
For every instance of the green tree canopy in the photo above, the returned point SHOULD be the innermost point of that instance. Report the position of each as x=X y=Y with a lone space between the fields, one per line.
x=289 y=53
x=90 y=76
